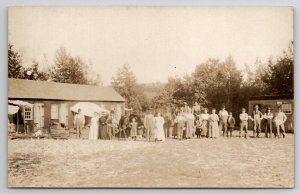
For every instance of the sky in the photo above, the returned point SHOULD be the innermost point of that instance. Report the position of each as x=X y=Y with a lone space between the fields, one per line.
x=157 y=42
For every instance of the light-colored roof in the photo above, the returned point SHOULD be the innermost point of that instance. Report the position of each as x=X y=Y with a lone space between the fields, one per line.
x=29 y=89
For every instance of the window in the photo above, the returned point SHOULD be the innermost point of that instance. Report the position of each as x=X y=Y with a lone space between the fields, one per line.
x=54 y=111
x=28 y=113
x=287 y=108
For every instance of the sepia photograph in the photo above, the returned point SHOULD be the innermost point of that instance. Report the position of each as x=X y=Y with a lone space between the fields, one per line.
x=150 y=97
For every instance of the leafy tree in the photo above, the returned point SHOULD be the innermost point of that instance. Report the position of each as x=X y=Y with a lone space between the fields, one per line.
x=279 y=77
x=68 y=69
x=217 y=82
x=34 y=73
x=125 y=84
x=15 y=68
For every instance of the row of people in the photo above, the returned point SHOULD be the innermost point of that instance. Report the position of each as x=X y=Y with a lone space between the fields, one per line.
x=184 y=124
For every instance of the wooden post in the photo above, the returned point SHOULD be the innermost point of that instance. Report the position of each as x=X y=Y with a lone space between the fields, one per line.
x=18 y=121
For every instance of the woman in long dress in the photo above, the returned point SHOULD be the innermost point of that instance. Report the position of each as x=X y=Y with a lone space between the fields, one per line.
x=103 y=127
x=204 y=117
x=213 y=125
x=190 y=127
x=94 y=129
x=159 y=134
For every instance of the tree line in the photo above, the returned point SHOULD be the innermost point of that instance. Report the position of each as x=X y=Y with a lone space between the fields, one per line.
x=213 y=83
x=64 y=69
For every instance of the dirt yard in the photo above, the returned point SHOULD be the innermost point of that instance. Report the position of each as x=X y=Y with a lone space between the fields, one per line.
x=222 y=162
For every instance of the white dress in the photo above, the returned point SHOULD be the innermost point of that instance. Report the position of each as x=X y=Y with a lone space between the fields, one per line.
x=94 y=129
x=159 y=128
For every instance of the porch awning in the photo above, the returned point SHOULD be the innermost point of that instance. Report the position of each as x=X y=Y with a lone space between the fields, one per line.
x=12 y=109
x=20 y=103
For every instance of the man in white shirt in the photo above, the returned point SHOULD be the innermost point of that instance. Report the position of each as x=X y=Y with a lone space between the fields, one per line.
x=180 y=120
x=79 y=122
x=223 y=115
x=244 y=122
x=279 y=121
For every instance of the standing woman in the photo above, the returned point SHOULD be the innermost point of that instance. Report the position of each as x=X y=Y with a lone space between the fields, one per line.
x=190 y=119
x=213 y=124
x=103 y=126
x=159 y=127
x=204 y=117
x=94 y=129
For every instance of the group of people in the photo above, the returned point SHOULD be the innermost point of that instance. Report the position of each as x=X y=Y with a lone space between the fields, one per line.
x=101 y=125
x=194 y=122
x=183 y=123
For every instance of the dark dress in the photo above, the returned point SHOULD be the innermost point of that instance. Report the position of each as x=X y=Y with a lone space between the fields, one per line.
x=103 y=128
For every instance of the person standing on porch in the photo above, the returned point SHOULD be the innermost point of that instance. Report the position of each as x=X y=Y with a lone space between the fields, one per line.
x=257 y=117
x=79 y=121
x=223 y=114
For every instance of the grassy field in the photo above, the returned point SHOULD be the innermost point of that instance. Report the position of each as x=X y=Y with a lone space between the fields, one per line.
x=222 y=162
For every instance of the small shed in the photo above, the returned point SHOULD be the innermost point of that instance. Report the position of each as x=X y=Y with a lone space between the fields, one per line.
x=286 y=102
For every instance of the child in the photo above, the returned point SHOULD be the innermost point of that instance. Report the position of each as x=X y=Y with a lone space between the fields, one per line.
x=133 y=130
x=231 y=123
x=244 y=122
x=198 y=127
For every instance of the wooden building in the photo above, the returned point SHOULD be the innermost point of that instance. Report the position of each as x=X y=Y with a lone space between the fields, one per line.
x=286 y=102
x=52 y=101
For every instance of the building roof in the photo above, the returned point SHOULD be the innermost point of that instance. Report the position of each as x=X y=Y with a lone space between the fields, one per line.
x=29 y=89
x=273 y=97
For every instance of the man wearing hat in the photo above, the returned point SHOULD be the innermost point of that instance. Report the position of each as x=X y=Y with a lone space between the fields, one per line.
x=257 y=117
x=223 y=115
x=79 y=122
x=268 y=116
x=149 y=124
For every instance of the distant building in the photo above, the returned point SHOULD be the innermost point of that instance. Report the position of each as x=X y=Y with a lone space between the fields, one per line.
x=286 y=102
x=52 y=101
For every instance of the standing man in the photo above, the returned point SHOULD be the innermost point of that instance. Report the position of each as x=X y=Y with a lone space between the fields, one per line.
x=79 y=121
x=180 y=121
x=257 y=117
x=196 y=108
x=223 y=115
x=268 y=119
x=149 y=124
x=279 y=121
x=244 y=122
x=123 y=124
x=231 y=123
x=186 y=107
x=168 y=123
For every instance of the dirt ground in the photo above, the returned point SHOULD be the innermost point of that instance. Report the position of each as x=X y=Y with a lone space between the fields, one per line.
x=224 y=162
